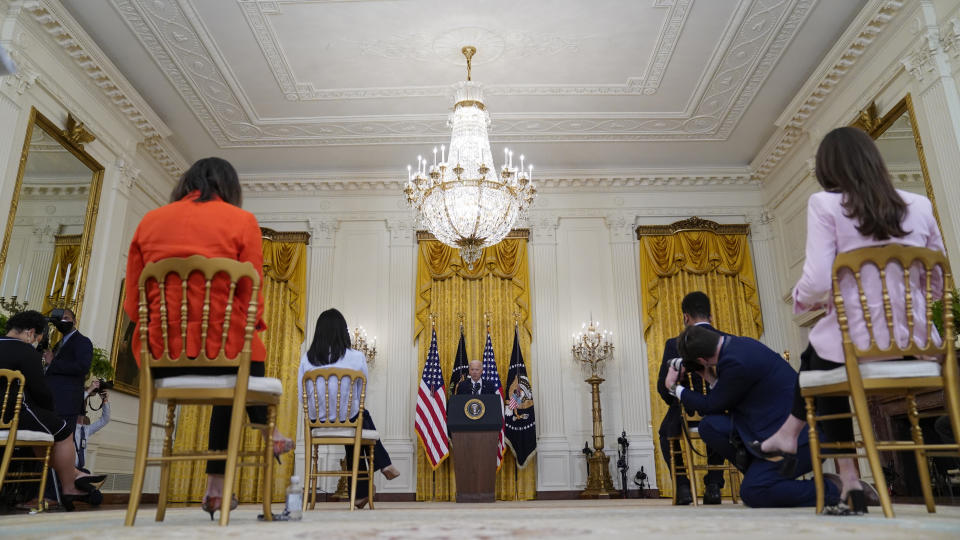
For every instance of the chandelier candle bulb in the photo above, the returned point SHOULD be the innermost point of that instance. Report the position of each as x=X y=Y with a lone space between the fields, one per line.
x=434 y=156
x=66 y=281
x=16 y=284
x=54 y=284
x=76 y=287
x=443 y=154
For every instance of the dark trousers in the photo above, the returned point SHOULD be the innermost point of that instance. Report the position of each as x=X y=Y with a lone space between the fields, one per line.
x=381 y=458
x=220 y=417
x=763 y=486
x=831 y=430
x=672 y=426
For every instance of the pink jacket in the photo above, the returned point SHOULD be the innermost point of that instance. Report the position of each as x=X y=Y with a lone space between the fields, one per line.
x=829 y=232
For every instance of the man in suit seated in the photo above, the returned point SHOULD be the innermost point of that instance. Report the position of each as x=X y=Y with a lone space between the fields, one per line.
x=754 y=384
x=696 y=311
x=67 y=366
x=473 y=384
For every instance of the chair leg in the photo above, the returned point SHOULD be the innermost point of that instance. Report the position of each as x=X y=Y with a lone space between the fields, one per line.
x=353 y=475
x=673 y=470
x=166 y=465
x=815 y=453
x=5 y=460
x=688 y=467
x=310 y=456
x=862 y=412
x=268 y=463
x=370 y=474
x=233 y=449
x=923 y=468
x=41 y=501
x=140 y=459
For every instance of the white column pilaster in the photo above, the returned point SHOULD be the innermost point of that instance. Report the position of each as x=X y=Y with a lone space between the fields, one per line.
x=769 y=289
x=938 y=106
x=547 y=355
x=630 y=353
x=400 y=359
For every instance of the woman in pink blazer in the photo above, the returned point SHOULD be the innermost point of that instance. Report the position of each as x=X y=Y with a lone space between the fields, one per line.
x=858 y=208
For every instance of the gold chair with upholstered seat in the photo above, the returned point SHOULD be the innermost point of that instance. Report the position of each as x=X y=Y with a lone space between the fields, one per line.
x=238 y=390
x=689 y=435
x=11 y=437
x=935 y=367
x=332 y=431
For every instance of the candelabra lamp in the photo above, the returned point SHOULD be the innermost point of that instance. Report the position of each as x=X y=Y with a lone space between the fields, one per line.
x=591 y=347
x=359 y=341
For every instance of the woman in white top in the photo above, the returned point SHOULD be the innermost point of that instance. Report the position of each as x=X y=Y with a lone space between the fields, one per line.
x=331 y=349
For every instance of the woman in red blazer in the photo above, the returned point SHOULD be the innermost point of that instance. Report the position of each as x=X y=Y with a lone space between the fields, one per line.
x=203 y=218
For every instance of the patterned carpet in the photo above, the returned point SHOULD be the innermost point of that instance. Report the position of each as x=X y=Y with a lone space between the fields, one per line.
x=607 y=520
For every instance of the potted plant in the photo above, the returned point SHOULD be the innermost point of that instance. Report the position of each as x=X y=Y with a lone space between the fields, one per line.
x=937 y=309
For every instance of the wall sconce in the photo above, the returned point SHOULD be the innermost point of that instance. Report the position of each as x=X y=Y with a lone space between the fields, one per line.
x=361 y=343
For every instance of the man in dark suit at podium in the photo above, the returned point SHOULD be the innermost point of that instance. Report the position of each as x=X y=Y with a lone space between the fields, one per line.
x=473 y=384
x=67 y=366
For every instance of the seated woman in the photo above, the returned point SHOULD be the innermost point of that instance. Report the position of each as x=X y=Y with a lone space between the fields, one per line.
x=204 y=218
x=18 y=352
x=858 y=208
x=331 y=349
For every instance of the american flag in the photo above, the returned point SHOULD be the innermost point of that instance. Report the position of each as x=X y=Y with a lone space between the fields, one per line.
x=432 y=408
x=490 y=375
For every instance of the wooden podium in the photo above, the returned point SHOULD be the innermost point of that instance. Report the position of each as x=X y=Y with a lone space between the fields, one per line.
x=475 y=423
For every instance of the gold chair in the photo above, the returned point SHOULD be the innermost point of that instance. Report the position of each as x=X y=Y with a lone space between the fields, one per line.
x=897 y=377
x=333 y=431
x=11 y=437
x=237 y=390
x=690 y=468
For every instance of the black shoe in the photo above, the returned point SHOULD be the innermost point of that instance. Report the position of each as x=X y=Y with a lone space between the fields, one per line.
x=711 y=494
x=683 y=494
x=788 y=461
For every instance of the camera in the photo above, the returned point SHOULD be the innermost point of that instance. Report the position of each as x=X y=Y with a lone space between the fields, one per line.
x=676 y=363
x=104 y=385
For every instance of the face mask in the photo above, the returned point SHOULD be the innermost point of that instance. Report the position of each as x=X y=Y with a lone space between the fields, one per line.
x=63 y=326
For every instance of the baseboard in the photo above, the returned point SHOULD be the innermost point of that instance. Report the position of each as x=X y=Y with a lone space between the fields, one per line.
x=575 y=494
x=124 y=498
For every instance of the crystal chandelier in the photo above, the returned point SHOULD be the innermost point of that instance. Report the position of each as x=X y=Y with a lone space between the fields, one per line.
x=461 y=198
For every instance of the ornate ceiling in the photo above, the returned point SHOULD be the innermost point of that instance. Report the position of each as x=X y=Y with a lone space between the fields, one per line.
x=364 y=85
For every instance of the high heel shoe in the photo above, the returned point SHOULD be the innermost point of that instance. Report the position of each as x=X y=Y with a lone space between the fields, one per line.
x=787 y=460
x=84 y=483
x=282 y=446
x=390 y=472
x=360 y=503
x=212 y=504
x=93 y=498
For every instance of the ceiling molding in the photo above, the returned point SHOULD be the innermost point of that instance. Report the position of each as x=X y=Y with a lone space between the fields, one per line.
x=257 y=14
x=85 y=53
x=175 y=37
x=573 y=181
x=836 y=65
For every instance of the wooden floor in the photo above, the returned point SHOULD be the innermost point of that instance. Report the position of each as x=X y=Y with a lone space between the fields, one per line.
x=607 y=520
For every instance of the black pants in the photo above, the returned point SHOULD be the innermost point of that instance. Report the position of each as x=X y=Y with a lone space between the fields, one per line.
x=672 y=427
x=837 y=430
x=220 y=417
x=381 y=458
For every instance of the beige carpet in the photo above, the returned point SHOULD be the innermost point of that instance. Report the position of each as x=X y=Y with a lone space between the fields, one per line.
x=607 y=520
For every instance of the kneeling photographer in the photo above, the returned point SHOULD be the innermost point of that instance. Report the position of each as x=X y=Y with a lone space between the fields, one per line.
x=97 y=391
x=752 y=395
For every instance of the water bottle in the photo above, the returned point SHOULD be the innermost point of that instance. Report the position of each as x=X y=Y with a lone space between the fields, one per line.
x=294 y=506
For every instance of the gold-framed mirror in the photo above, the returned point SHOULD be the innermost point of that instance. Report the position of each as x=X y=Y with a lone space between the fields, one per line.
x=45 y=255
x=899 y=142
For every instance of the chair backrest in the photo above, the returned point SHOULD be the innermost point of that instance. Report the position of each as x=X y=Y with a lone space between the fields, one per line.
x=228 y=273
x=925 y=279
x=339 y=388
x=10 y=381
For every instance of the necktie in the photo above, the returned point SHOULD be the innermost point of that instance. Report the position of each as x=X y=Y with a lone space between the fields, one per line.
x=476 y=389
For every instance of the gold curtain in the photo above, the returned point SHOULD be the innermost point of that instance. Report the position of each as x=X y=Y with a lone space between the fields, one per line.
x=66 y=251
x=497 y=284
x=716 y=260
x=284 y=293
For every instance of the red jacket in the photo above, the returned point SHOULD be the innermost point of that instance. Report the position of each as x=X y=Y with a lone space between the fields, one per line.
x=181 y=229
